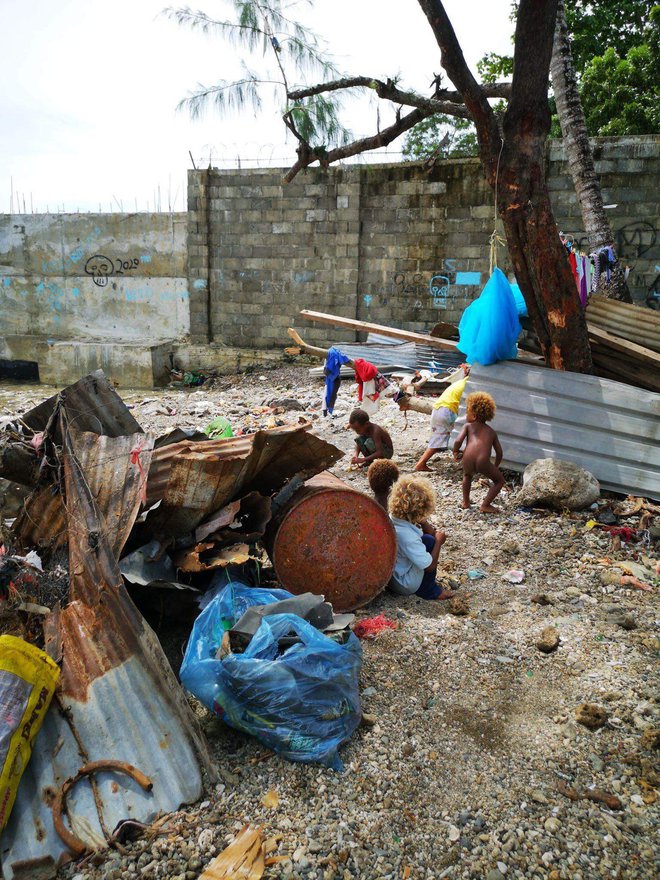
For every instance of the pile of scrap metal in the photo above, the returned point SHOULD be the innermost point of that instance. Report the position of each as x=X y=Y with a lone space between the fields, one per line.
x=119 y=739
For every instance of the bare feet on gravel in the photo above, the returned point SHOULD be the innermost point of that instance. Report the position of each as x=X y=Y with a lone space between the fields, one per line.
x=488 y=508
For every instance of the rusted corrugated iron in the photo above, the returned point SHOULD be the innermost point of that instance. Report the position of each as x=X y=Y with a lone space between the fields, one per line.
x=91 y=403
x=118 y=695
x=194 y=480
x=331 y=539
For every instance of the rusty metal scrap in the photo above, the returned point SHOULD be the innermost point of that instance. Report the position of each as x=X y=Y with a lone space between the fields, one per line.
x=118 y=692
x=333 y=540
x=193 y=480
x=73 y=843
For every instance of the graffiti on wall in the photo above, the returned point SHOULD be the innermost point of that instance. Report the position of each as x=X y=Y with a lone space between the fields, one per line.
x=101 y=268
x=438 y=287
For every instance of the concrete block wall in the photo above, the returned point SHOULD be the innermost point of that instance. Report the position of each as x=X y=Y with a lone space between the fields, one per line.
x=393 y=244
x=273 y=249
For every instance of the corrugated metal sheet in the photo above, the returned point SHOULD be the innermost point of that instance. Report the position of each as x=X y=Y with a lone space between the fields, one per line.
x=92 y=404
x=410 y=356
x=608 y=428
x=194 y=480
x=634 y=323
x=121 y=698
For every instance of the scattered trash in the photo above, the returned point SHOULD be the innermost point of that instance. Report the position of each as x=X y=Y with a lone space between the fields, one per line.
x=372 y=627
x=302 y=702
x=245 y=857
x=514 y=576
x=476 y=573
x=591 y=794
x=271 y=799
x=27 y=684
x=218 y=428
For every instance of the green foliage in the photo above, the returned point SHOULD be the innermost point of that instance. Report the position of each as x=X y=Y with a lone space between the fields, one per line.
x=494 y=68
x=423 y=140
x=614 y=44
x=598 y=25
x=287 y=48
x=620 y=94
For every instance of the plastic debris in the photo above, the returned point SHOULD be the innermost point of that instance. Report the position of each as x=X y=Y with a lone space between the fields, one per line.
x=372 y=627
x=27 y=684
x=218 y=428
x=302 y=703
x=489 y=328
x=514 y=576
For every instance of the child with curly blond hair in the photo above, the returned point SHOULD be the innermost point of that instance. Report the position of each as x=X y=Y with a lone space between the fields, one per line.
x=481 y=441
x=412 y=501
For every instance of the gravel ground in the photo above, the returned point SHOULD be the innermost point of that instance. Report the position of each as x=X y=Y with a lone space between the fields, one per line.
x=472 y=729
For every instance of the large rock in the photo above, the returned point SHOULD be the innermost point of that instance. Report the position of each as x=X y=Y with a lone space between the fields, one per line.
x=549 y=482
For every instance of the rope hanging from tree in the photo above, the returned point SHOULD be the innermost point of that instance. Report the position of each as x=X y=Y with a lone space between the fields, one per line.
x=495 y=238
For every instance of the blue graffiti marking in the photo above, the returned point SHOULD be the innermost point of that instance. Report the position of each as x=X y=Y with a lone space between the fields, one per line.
x=145 y=258
x=468 y=279
x=439 y=290
x=199 y=284
x=6 y=282
x=368 y=300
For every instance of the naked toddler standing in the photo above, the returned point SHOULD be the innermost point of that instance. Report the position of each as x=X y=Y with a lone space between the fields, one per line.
x=481 y=441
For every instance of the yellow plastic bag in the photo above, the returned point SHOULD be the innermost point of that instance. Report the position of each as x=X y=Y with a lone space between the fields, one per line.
x=27 y=683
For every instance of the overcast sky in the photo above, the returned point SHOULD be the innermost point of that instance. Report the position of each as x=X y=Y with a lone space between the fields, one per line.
x=89 y=92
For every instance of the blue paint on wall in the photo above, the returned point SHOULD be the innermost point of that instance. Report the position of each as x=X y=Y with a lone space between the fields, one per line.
x=199 y=284
x=468 y=279
x=367 y=300
x=145 y=258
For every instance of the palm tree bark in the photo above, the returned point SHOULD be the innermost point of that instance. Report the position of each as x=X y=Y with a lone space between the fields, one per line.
x=580 y=157
x=514 y=164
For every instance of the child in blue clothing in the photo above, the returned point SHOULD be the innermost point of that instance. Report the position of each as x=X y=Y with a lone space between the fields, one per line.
x=411 y=502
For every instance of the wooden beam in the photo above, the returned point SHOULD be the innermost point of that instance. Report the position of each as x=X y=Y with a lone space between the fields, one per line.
x=367 y=327
x=636 y=352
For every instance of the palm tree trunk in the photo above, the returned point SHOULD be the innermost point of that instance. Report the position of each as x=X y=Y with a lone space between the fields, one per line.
x=580 y=158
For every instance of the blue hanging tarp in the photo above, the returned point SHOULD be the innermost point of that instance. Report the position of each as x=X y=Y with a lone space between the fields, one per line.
x=489 y=328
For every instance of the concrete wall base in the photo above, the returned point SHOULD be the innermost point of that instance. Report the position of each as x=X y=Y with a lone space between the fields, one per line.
x=128 y=365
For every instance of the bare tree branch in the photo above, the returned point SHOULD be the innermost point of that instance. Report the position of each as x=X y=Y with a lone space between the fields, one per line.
x=308 y=155
x=454 y=63
x=389 y=91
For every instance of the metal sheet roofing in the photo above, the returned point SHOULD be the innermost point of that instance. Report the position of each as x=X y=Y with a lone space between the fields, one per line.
x=606 y=427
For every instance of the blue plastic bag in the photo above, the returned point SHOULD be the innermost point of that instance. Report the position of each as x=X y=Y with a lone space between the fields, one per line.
x=521 y=305
x=302 y=703
x=199 y=668
x=489 y=328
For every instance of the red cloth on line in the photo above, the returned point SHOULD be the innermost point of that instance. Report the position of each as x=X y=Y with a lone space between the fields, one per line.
x=364 y=372
x=572 y=259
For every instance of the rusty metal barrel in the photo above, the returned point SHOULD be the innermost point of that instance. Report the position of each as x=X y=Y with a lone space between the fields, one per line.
x=331 y=539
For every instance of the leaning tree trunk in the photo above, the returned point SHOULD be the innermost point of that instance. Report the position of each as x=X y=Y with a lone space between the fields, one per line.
x=580 y=158
x=513 y=162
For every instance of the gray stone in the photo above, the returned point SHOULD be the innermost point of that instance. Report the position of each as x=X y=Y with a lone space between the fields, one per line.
x=549 y=482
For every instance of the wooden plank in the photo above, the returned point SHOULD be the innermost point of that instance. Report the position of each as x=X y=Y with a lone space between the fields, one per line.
x=367 y=327
x=637 y=352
